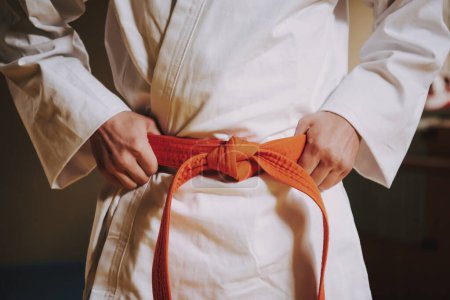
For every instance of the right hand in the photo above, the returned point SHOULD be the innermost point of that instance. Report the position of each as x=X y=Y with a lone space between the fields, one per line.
x=122 y=151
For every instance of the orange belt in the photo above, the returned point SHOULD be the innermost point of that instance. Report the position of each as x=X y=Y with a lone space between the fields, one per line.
x=240 y=160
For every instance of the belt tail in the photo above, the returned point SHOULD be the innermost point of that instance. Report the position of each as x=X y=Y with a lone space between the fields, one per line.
x=295 y=176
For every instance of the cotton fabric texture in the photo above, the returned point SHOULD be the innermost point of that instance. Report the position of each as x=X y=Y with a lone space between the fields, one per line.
x=216 y=69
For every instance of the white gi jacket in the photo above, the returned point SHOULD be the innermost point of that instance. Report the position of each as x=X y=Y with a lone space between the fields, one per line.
x=214 y=69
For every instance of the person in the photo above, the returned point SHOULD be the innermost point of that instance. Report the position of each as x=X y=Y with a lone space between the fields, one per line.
x=259 y=70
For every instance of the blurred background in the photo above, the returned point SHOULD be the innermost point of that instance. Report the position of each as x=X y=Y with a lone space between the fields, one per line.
x=405 y=231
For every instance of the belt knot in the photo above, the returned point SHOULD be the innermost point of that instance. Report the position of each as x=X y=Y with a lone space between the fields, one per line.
x=234 y=158
x=238 y=159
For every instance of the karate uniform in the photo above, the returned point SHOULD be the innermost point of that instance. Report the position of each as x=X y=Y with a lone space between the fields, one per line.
x=204 y=68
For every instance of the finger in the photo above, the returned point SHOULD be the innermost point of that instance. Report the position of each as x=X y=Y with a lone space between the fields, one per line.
x=309 y=159
x=130 y=166
x=97 y=153
x=147 y=160
x=152 y=126
x=332 y=179
x=302 y=126
x=108 y=166
x=320 y=173
x=111 y=179
x=125 y=180
x=127 y=164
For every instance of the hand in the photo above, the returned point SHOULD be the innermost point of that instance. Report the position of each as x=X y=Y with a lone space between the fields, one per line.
x=331 y=147
x=122 y=151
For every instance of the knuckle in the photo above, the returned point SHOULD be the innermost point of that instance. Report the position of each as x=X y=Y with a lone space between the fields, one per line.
x=325 y=186
x=321 y=145
x=139 y=150
x=314 y=147
x=301 y=122
x=136 y=145
x=344 y=166
x=153 y=168
x=151 y=122
x=328 y=156
x=130 y=185
x=315 y=178
x=143 y=180
x=340 y=165
x=347 y=169
x=326 y=160
x=120 y=163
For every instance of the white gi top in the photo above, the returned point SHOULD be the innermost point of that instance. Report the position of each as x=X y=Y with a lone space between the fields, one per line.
x=214 y=69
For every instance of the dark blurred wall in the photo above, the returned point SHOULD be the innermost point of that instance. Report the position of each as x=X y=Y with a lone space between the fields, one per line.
x=39 y=224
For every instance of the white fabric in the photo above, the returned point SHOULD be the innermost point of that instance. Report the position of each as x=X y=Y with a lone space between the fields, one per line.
x=216 y=69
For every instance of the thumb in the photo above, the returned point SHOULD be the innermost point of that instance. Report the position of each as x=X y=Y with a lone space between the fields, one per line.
x=152 y=126
x=303 y=126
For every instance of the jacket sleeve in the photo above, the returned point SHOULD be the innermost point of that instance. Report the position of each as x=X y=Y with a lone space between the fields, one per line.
x=383 y=97
x=46 y=67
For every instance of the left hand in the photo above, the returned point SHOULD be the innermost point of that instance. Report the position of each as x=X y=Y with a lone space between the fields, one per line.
x=331 y=147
